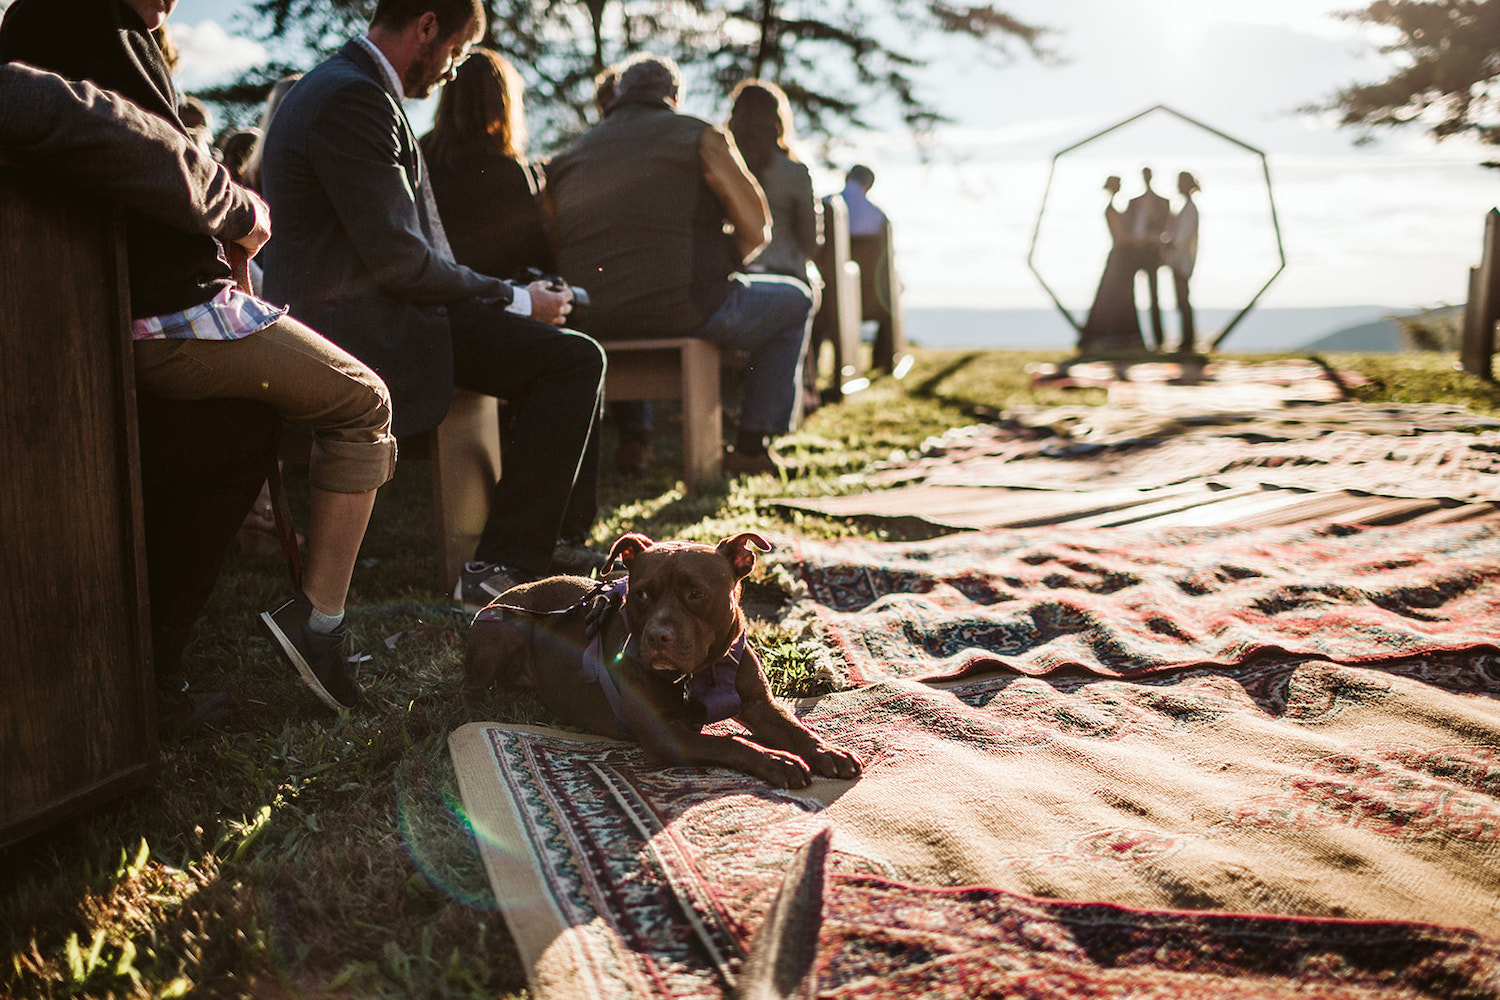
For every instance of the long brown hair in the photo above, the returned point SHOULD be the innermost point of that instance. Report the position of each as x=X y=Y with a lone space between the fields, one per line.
x=761 y=122
x=481 y=106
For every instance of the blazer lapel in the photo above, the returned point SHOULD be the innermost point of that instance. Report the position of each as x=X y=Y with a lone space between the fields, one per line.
x=410 y=159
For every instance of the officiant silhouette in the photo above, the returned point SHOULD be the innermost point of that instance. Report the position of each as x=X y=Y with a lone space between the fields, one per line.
x=1147 y=217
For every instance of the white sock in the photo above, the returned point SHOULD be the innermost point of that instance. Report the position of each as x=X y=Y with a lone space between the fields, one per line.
x=324 y=624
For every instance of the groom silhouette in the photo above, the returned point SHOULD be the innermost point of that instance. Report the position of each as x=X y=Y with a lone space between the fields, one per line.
x=1146 y=220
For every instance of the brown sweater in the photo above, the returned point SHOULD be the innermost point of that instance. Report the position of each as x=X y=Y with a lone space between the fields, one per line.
x=104 y=143
x=106 y=43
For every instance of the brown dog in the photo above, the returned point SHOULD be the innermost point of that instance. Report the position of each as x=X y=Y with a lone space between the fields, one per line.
x=652 y=658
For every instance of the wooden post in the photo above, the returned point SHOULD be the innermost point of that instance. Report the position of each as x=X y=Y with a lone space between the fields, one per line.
x=1467 y=356
x=1483 y=308
x=838 y=318
x=78 y=716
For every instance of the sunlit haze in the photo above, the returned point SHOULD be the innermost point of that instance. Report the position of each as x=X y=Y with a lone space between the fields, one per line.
x=1395 y=223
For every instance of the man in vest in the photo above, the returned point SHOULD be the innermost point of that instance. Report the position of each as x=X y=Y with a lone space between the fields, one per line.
x=639 y=206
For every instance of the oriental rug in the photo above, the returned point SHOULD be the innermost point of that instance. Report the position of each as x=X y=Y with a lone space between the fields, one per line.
x=1126 y=603
x=1288 y=827
x=1337 y=445
x=1106 y=466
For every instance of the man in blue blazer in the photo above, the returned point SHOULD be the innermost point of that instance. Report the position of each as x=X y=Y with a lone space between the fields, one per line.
x=360 y=254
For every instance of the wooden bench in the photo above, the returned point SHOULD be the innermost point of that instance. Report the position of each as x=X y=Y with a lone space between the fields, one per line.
x=465 y=448
x=78 y=715
x=465 y=454
x=682 y=368
x=1483 y=306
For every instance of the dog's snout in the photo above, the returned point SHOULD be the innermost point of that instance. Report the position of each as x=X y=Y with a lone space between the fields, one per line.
x=660 y=635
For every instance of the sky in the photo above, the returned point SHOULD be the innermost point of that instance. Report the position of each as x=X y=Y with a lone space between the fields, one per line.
x=1396 y=223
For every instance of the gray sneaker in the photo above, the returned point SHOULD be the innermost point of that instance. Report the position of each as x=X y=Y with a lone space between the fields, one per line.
x=576 y=559
x=482 y=582
x=320 y=660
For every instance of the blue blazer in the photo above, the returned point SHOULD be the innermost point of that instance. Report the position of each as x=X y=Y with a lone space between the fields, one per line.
x=350 y=252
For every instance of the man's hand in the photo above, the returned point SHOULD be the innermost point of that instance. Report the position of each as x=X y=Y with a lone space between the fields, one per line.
x=257 y=237
x=550 y=304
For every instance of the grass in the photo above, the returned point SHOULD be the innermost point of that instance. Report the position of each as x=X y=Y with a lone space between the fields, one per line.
x=299 y=853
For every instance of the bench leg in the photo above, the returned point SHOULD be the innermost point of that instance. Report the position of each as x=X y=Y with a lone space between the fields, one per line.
x=465 y=466
x=702 y=414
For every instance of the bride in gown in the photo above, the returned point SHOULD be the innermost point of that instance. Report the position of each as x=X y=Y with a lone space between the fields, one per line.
x=1113 y=323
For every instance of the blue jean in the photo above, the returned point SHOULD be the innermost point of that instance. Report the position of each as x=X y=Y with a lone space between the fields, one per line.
x=765 y=314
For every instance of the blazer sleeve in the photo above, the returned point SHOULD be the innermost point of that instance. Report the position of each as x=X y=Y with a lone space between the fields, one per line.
x=109 y=145
x=354 y=148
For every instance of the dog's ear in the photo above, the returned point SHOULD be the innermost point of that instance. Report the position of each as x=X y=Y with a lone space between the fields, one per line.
x=627 y=547
x=739 y=554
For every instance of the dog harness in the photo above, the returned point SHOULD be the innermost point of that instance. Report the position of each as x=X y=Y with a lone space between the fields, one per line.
x=712 y=689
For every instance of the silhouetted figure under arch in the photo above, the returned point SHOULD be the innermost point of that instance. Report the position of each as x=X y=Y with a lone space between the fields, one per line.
x=1181 y=255
x=1113 y=323
x=1147 y=217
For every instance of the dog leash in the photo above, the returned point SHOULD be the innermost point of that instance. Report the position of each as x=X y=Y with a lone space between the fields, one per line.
x=604 y=592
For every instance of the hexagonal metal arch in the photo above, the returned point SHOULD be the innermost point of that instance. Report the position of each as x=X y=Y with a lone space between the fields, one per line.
x=1270 y=197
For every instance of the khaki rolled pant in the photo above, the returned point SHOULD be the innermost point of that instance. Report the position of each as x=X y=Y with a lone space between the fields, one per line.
x=307 y=379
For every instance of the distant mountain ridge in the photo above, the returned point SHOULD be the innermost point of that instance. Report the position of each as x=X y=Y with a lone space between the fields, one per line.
x=1262 y=330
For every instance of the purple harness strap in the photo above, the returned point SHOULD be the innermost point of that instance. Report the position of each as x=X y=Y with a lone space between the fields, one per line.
x=713 y=688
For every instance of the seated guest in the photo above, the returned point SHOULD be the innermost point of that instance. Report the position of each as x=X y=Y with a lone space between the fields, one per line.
x=870 y=246
x=198 y=336
x=489 y=196
x=761 y=123
x=488 y=193
x=865 y=217
x=234 y=151
x=362 y=252
x=634 y=419
x=639 y=205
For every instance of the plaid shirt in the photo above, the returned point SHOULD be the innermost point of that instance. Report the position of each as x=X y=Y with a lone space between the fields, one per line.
x=230 y=315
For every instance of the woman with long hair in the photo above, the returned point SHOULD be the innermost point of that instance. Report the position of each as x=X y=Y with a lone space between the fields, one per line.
x=761 y=123
x=488 y=193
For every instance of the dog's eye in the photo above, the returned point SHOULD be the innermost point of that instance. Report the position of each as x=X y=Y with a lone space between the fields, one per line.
x=695 y=595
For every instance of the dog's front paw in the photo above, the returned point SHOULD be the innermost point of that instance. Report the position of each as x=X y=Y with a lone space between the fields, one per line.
x=833 y=762
x=782 y=769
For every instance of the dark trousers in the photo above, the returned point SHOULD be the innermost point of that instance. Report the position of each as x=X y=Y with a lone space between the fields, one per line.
x=1188 y=343
x=553 y=379
x=202 y=466
x=872 y=253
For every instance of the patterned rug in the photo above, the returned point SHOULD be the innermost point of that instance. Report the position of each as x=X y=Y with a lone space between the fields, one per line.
x=1124 y=603
x=1111 y=465
x=1402 y=450
x=1290 y=827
